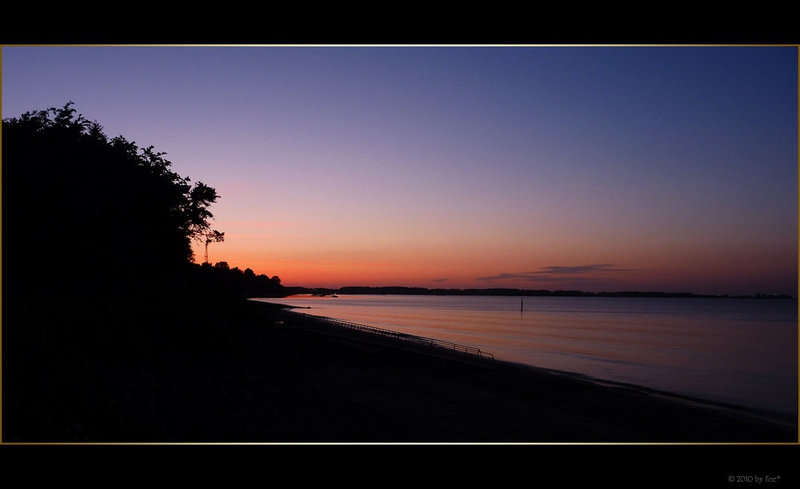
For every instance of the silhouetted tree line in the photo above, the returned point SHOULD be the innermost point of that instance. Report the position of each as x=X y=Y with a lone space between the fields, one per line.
x=241 y=283
x=99 y=283
x=85 y=213
x=82 y=207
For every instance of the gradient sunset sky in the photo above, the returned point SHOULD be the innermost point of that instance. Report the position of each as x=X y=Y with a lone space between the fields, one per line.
x=539 y=167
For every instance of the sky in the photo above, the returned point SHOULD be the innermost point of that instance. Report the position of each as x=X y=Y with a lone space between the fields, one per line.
x=538 y=167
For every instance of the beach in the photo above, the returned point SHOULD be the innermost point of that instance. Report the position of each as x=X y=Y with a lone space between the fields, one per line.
x=361 y=389
x=261 y=373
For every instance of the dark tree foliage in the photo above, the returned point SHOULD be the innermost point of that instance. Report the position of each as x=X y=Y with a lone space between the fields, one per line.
x=100 y=295
x=80 y=205
x=238 y=283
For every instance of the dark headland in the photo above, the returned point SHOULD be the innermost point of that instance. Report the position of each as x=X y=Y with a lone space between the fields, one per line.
x=496 y=291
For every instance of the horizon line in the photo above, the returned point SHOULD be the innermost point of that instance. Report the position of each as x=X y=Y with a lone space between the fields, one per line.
x=550 y=291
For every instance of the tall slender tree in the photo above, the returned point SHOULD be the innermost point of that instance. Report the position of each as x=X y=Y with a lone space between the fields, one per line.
x=213 y=236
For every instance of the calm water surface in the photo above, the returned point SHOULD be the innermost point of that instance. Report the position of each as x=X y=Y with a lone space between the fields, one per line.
x=739 y=351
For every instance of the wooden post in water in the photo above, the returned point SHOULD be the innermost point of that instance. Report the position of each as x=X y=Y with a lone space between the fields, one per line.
x=520 y=306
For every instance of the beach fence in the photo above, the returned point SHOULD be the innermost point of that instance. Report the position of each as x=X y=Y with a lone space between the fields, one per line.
x=433 y=343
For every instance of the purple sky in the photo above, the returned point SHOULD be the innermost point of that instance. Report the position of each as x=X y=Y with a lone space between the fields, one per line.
x=598 y=168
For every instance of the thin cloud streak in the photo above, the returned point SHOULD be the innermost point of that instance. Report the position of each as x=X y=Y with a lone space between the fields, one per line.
x=604 y=267
x=557 y=273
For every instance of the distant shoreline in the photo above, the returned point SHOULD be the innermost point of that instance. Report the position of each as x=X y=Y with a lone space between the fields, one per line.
x=398 y=290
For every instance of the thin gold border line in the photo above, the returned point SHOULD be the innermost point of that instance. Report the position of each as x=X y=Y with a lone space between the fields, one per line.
x=398 y=45
x=797 y=406
x=1 y=247
x=643 y=443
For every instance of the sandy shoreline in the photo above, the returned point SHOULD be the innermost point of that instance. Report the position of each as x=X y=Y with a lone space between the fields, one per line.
x=252 y=372
x=538 y=405
x=779 y=419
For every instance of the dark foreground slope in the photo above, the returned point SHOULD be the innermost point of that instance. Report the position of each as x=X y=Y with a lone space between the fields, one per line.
x=153 y=369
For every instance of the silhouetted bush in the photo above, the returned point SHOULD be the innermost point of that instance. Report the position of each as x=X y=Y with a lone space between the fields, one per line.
x=232 y=282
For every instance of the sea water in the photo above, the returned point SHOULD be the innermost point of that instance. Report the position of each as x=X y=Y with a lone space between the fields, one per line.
x=726 y=350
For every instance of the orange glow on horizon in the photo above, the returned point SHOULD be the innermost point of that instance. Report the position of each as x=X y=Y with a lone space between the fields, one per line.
x=466 y=268
x=309 y=250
